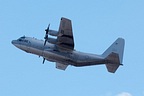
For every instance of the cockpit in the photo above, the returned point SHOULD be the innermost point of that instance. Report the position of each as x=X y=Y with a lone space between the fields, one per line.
x=23 y=43
x=23 y=39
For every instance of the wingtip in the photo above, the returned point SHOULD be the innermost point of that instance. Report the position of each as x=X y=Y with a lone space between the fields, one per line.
x=65 y=18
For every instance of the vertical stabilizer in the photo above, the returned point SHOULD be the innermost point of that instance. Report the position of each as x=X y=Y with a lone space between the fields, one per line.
x=114 y=55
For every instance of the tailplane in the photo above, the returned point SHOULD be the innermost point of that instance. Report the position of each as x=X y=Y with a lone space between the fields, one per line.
x=114 y=55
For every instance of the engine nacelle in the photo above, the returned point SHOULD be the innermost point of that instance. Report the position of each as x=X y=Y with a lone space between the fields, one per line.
x=53 y=32
x=52 y=40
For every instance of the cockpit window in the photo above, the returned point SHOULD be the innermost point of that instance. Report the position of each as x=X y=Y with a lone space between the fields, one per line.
x=22 y=39
x=19 y=39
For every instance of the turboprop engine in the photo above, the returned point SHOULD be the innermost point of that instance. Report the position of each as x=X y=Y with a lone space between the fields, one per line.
x=53 y=32
x=52 y=40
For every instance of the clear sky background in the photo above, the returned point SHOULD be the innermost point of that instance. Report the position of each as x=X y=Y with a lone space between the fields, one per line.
x=96 y=25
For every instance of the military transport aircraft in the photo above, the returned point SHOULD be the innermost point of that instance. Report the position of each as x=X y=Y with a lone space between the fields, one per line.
x=61 y=49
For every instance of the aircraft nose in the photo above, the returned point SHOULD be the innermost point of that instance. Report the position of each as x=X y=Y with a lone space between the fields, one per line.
x=15 y=43
x=12 y=42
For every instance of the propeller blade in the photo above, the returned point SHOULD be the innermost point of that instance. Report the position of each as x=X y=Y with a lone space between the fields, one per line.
x=45 y=42
x=43 y=60
x=47 y=30
x=46 y=35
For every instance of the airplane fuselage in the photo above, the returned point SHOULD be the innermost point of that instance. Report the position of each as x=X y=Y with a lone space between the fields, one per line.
x=60 y=49
x=51 y=53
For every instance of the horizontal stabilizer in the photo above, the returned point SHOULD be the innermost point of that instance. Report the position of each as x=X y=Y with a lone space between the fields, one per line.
x=113 y=62
x=112 y=67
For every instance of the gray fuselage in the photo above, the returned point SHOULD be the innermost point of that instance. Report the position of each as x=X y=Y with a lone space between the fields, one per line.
x=51 y=53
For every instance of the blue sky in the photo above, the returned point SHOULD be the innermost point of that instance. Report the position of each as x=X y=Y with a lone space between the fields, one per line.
x=96 y=24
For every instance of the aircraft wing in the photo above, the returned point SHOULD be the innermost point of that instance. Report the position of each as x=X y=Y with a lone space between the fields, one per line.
x=65 y=40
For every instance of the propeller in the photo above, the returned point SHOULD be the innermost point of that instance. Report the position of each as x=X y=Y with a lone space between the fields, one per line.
x=46 y=39
x=43 y=60
x=46 y=35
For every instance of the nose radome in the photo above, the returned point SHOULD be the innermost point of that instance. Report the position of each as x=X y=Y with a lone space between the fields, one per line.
x=15 y=43
x=12 y=41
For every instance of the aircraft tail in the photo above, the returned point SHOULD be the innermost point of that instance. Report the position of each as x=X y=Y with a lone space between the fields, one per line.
x=114 y=55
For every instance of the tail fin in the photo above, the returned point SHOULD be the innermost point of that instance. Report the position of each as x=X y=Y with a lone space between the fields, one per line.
x=114 y=55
